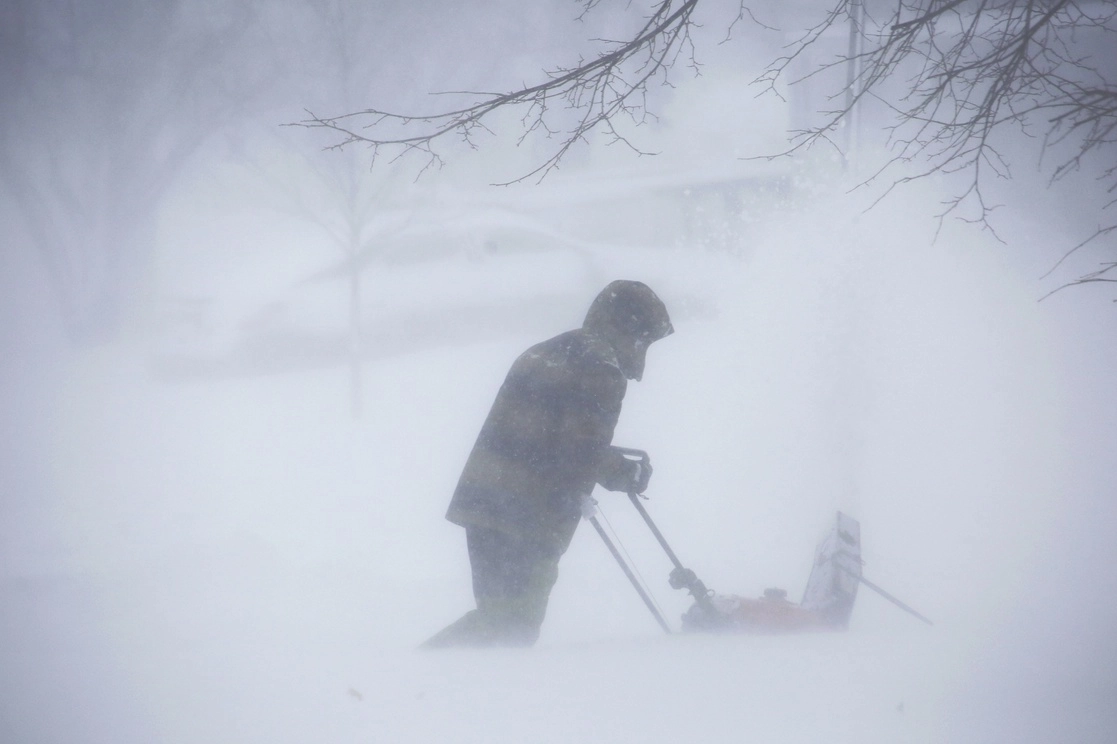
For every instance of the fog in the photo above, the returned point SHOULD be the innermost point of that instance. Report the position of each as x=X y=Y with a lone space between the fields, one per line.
x=219 y=524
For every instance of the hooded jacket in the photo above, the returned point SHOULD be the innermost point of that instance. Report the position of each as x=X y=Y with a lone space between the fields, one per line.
x=546 y=439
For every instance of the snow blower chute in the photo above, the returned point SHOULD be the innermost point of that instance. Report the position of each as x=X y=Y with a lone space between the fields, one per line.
x=827 y=601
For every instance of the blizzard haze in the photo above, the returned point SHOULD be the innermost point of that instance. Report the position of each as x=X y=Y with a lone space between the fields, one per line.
x=217 y=524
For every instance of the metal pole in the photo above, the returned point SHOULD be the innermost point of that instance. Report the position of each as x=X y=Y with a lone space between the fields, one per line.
x=635 y=498
x=681 y=577
x=628 y=572
x=853 y=72
x=883 y=593
x=685 y=577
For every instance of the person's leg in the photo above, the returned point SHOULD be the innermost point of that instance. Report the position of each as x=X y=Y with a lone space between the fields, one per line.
x=512 y=595
x=493 y=561
x=462 y=632
x=510 y=585
x=512 y=581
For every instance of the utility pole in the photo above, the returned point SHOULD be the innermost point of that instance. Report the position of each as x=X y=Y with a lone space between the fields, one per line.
x=853 y=72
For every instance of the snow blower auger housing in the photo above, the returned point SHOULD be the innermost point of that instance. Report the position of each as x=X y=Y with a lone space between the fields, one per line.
x=827 y=601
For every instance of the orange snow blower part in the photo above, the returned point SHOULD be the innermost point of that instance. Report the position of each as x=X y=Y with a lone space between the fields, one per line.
x=827 y=601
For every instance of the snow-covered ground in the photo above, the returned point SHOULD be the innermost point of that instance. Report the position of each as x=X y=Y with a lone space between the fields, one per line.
x=239 y=561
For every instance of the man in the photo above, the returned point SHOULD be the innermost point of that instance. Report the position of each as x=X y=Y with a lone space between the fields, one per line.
x=544 y=445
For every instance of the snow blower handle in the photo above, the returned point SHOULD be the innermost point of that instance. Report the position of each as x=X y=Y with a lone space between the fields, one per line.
x=643 y=464
x=640 y=457
x=681 y=577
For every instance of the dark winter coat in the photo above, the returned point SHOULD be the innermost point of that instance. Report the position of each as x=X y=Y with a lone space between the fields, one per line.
x=546 y=439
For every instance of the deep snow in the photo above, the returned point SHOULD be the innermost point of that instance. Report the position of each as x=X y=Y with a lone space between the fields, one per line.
x=239 y=561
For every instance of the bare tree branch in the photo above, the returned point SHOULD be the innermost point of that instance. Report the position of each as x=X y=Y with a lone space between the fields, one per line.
x=955 y=74
x=595 y=93
x=972 y=70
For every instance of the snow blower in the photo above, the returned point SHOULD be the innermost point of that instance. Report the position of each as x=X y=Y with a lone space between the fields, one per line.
x=827 y=601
